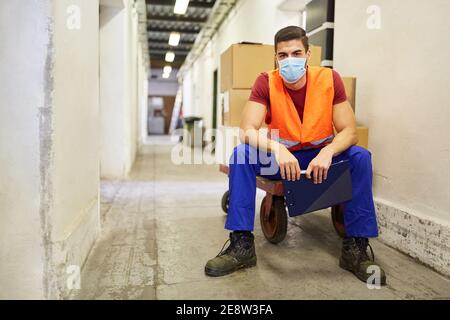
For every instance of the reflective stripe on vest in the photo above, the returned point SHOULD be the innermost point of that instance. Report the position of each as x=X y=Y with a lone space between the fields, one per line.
x=317 y=126
x=329 y=138
x=290 y=144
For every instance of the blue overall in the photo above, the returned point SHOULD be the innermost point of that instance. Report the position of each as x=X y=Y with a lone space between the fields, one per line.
x=246 y=163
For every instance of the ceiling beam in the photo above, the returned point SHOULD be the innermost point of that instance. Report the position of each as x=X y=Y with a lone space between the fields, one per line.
x=161 y=63
x=192 y=3
x=182 y=42
x=172 y=18
x=154 y=57
x=169 y=30
x=167 y=47
x=162 y=52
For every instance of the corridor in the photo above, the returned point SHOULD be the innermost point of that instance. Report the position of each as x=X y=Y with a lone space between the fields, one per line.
x=161 y=225
x=99 y=96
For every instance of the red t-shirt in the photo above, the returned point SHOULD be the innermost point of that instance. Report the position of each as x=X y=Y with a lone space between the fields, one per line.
x=260 y=93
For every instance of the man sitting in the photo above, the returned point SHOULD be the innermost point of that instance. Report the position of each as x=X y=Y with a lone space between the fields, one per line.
x=303 y=103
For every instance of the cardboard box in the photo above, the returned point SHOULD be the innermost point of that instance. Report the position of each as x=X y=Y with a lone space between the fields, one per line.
x=233 y=102
x=363 y=136
x=241 y=64
x=316 y=56
x=227 y=138
x=350 y=90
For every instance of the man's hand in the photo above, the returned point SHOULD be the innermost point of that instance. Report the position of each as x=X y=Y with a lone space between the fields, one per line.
x=289 y=166
x=319 y=166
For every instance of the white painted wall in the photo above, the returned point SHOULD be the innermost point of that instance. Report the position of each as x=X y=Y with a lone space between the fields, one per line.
x=22 y=88
x=402 y=96
x=133 y=78
x=49 y=151
x=250 y=20
x=112 y=92
x=143 y=95
x=74 y=173
x=118 y=89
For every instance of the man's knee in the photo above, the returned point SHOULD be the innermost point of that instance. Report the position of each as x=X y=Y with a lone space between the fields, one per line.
x=360 y=152
x=359 y=155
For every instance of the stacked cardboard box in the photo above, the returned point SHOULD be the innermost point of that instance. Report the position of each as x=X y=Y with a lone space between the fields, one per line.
x=240 y=65
x=233 y=102
x=316 y=56
x=350 y=90
x=363 y=136
x=361 y=131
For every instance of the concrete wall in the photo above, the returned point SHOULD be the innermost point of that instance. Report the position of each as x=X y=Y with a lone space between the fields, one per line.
x=49 y=129
x=143 y=97
x=113 y=145
x=118 y=88
x=24 y=91
x=74 y=171
x=402 y=96
x=133 y=73
x=49 y=150
x=243 y=24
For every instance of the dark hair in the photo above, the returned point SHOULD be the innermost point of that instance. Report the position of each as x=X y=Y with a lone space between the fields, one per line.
x=291 y=33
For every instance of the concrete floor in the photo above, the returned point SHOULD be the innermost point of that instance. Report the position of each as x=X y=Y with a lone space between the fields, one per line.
x=165 y=222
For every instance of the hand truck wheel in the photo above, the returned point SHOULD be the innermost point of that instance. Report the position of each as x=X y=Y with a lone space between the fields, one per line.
x=337 y=216
x=273 y=218
x=226 y=201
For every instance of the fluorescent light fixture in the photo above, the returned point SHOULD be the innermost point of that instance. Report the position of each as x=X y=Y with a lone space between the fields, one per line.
x=167 y=69
x=174 y=38
x=170 y=56
x=180 y=6
x=166 y=75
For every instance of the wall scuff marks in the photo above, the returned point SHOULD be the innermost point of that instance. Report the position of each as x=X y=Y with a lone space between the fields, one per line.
x=45 y=161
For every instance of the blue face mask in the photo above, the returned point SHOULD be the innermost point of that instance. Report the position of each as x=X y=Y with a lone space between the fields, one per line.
x=292 y=69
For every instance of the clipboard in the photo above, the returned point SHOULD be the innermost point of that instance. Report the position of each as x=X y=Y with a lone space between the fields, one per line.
x=303 y=196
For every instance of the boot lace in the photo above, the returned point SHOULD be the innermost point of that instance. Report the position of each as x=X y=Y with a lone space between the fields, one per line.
x=362 y=245
x=222 y=251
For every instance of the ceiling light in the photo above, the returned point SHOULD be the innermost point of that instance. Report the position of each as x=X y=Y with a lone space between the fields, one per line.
x=170 y=56
x=174 y=39
x=180 y=6
x=166 y=75
x=167 y=69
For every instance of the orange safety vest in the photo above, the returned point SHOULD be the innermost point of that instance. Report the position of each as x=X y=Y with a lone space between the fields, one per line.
x=316 y=130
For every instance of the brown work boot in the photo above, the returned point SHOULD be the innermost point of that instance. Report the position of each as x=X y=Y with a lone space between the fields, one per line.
x=239 y=254
x=355 y=259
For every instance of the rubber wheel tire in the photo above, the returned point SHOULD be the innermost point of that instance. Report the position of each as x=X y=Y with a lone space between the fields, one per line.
x=337 y=216
x=274 y=222
x=226 y=201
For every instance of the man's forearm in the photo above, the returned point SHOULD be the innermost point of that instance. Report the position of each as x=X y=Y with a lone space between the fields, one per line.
x=260 y=141
x=342 y=141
